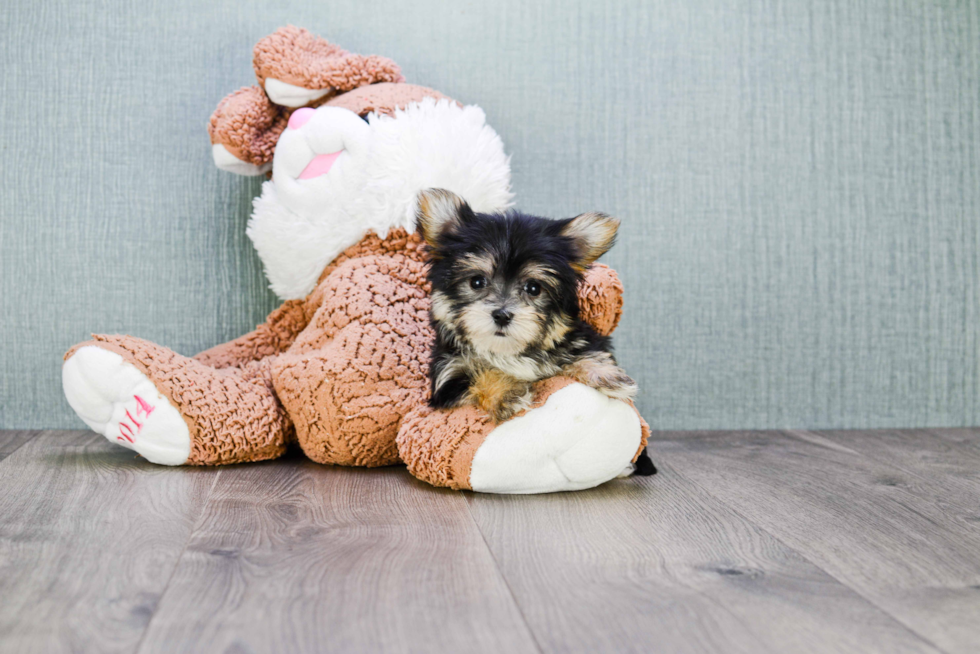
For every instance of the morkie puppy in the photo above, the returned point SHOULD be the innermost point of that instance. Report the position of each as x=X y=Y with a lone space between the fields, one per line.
x=505 y=306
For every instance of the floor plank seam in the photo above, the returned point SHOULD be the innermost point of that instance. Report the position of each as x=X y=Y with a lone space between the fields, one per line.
x=503 y=577
x=34 y=434
x=817 y=440
x=190 y=536
x=912 y=632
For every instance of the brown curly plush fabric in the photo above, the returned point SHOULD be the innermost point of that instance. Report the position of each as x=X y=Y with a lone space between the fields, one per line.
x=248 y=125
x=273 y=337
x=361 y=363
x=601 y=298
x=383 y=98
x=295 y=56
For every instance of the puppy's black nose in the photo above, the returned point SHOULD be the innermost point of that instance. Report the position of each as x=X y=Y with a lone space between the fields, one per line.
x=502 y=317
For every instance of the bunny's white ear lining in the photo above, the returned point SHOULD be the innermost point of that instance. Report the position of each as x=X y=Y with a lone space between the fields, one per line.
x=228 y=162
x=288 y=95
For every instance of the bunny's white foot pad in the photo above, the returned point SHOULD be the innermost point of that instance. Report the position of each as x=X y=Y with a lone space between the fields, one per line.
x=579 y=439
x=118 y=401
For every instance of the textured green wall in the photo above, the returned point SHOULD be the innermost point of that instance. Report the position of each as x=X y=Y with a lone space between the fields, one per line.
x=799 y=184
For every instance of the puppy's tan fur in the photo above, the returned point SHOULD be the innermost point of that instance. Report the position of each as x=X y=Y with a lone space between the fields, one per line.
x=499 y=394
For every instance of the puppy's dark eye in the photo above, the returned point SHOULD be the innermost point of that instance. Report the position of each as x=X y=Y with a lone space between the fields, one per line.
x=532 y=288
x=478 y=283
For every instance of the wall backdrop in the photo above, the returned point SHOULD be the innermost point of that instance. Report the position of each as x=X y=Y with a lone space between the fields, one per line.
x=799 y=185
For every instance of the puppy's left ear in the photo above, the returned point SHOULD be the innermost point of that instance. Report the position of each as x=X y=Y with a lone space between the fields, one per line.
x=438 y=212
x=593 y=234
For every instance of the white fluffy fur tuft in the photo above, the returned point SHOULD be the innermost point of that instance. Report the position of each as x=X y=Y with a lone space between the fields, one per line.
x=299 y=226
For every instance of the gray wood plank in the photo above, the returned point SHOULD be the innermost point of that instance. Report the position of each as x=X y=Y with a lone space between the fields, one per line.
x=294 y=556
x=951 y=466
x=967 y=438
x=658 y=565
x=11 y=440
x=89 y=536
x=883 y=531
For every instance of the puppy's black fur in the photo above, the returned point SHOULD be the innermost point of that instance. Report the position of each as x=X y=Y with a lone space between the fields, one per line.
x=505 y=306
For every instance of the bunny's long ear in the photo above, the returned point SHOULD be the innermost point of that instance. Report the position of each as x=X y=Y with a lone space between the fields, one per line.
x=439 y=212
x=592 y=234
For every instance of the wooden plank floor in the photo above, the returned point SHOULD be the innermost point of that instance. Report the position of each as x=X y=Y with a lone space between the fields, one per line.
x=745 y=542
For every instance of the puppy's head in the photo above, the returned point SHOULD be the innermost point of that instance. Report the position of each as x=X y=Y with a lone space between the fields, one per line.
x=507 y=283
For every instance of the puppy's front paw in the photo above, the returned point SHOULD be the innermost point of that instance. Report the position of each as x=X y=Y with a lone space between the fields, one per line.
x=507 y=408
x=499 y=394
x=619 y=387
x=599 y=371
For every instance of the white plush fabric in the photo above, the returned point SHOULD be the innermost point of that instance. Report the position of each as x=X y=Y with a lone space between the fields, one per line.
x=299 y=226
x=290 y=95
x=225 y=160
x=579 y=439
x=102 y=388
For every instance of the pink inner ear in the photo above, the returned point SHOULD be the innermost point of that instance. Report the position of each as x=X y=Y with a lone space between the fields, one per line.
x=321 y=165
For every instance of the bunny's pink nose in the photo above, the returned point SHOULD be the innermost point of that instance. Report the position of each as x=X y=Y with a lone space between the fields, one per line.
x=300 y=117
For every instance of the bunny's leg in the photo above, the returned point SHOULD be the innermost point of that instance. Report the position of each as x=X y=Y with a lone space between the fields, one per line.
x=571 y=438
x=171 y=409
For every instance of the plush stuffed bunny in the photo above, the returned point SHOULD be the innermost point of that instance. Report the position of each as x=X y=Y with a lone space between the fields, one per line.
x=341 y=366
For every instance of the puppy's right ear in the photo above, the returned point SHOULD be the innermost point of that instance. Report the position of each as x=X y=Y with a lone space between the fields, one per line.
x=593 y=234
x=438 y=212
